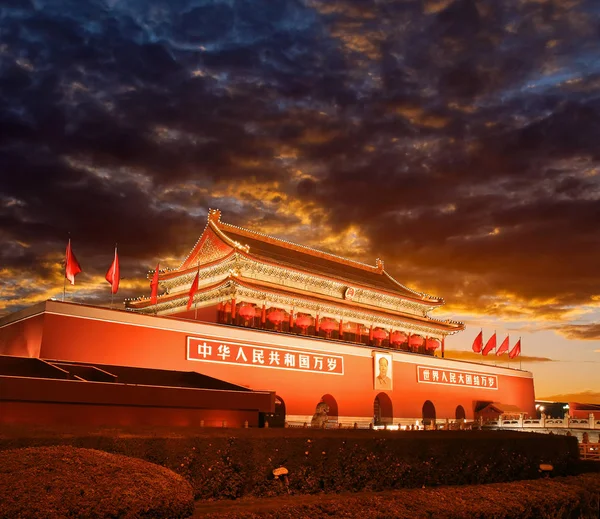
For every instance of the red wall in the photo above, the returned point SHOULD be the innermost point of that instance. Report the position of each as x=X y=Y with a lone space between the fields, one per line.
x=46 y=401
x=22 y=338
x=49 y=413
x=101 y=341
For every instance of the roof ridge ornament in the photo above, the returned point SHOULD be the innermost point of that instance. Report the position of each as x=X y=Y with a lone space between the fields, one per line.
x=214 y=221
x=379 y=264
x=214 y=215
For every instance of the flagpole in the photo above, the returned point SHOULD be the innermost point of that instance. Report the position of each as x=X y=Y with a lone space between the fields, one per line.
x=495 y=348
x=65 y=274
x=196 y=302
x=520 y=350
x=112 y=294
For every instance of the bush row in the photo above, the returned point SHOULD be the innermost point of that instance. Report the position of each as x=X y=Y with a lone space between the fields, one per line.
x=576 y=497
x=228 y=463
x=62 y=481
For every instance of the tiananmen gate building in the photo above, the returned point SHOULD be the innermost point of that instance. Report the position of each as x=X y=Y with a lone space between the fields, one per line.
x=275 y=331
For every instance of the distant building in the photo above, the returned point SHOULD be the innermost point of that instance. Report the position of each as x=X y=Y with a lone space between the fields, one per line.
x=267 y=314
x=560 y=409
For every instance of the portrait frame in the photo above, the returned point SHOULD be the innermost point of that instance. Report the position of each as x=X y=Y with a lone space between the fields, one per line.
x=385 y=383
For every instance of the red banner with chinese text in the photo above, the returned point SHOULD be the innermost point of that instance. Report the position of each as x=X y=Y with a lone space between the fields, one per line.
x=228 y=352
x=452 y=377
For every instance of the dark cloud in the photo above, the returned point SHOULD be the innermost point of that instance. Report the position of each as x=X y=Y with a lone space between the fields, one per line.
x=459 y=136
x=582 y=332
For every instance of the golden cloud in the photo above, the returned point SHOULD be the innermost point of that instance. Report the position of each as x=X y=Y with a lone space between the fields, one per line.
x=580 y=332
x=584 y=397
x=435 y=6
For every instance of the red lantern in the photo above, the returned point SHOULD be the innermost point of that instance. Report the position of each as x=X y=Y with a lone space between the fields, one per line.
x=379 y=334
x=327 y=325
x=276 y=317
x=432 y=344
x=303 y=322
x=416 y=340
x=247 y=312
x=398 y=337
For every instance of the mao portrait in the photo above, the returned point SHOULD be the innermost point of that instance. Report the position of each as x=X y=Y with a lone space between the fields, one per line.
x=383 y=371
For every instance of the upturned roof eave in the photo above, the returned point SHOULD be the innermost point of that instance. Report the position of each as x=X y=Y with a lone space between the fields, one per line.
x=221 y=227
x=265 y=261
x=220 y=230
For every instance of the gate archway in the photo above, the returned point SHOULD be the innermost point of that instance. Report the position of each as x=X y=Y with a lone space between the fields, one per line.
x=428 y=413
x=326 y=412
x=333 y=407
x=460 y=413
x=383 y=412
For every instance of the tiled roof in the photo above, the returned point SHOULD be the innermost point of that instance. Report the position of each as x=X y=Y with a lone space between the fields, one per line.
x=280 y=252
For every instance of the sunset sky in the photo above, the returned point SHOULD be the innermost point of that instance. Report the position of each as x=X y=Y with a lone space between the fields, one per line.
x=456 y=140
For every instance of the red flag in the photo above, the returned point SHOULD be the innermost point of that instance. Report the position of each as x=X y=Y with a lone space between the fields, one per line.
x=72 y=267
x=516 y=350
x=503 y=347
x=113 y=274
x=193 y=290
x=154 y=286
x=489 y=345
x=478 y=342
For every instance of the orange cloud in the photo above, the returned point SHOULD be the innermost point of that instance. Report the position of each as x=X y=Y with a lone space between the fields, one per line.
x=584 y=397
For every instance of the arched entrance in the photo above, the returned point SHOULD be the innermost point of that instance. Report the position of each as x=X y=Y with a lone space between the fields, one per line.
x=333 y=407
x=326 y=411
x=460 y=413
x=383 y=412
x=428 y=413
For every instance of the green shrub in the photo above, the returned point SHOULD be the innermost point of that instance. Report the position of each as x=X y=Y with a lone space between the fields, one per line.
x=62 y=481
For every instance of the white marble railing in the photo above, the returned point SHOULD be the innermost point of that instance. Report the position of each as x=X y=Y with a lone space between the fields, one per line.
x=545 y=422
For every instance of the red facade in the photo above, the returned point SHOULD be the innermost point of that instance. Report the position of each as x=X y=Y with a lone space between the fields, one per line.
x=341 y=374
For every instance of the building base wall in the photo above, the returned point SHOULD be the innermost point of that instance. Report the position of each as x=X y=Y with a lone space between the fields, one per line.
x=89 y=334
x=48 y=413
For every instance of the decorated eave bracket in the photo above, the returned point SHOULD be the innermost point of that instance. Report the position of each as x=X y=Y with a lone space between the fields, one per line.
x=252 y=269
x=233 y=290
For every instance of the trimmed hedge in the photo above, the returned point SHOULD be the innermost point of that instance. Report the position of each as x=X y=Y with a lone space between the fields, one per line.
x=569 y=498
x=231 y=463
x=62 y=481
